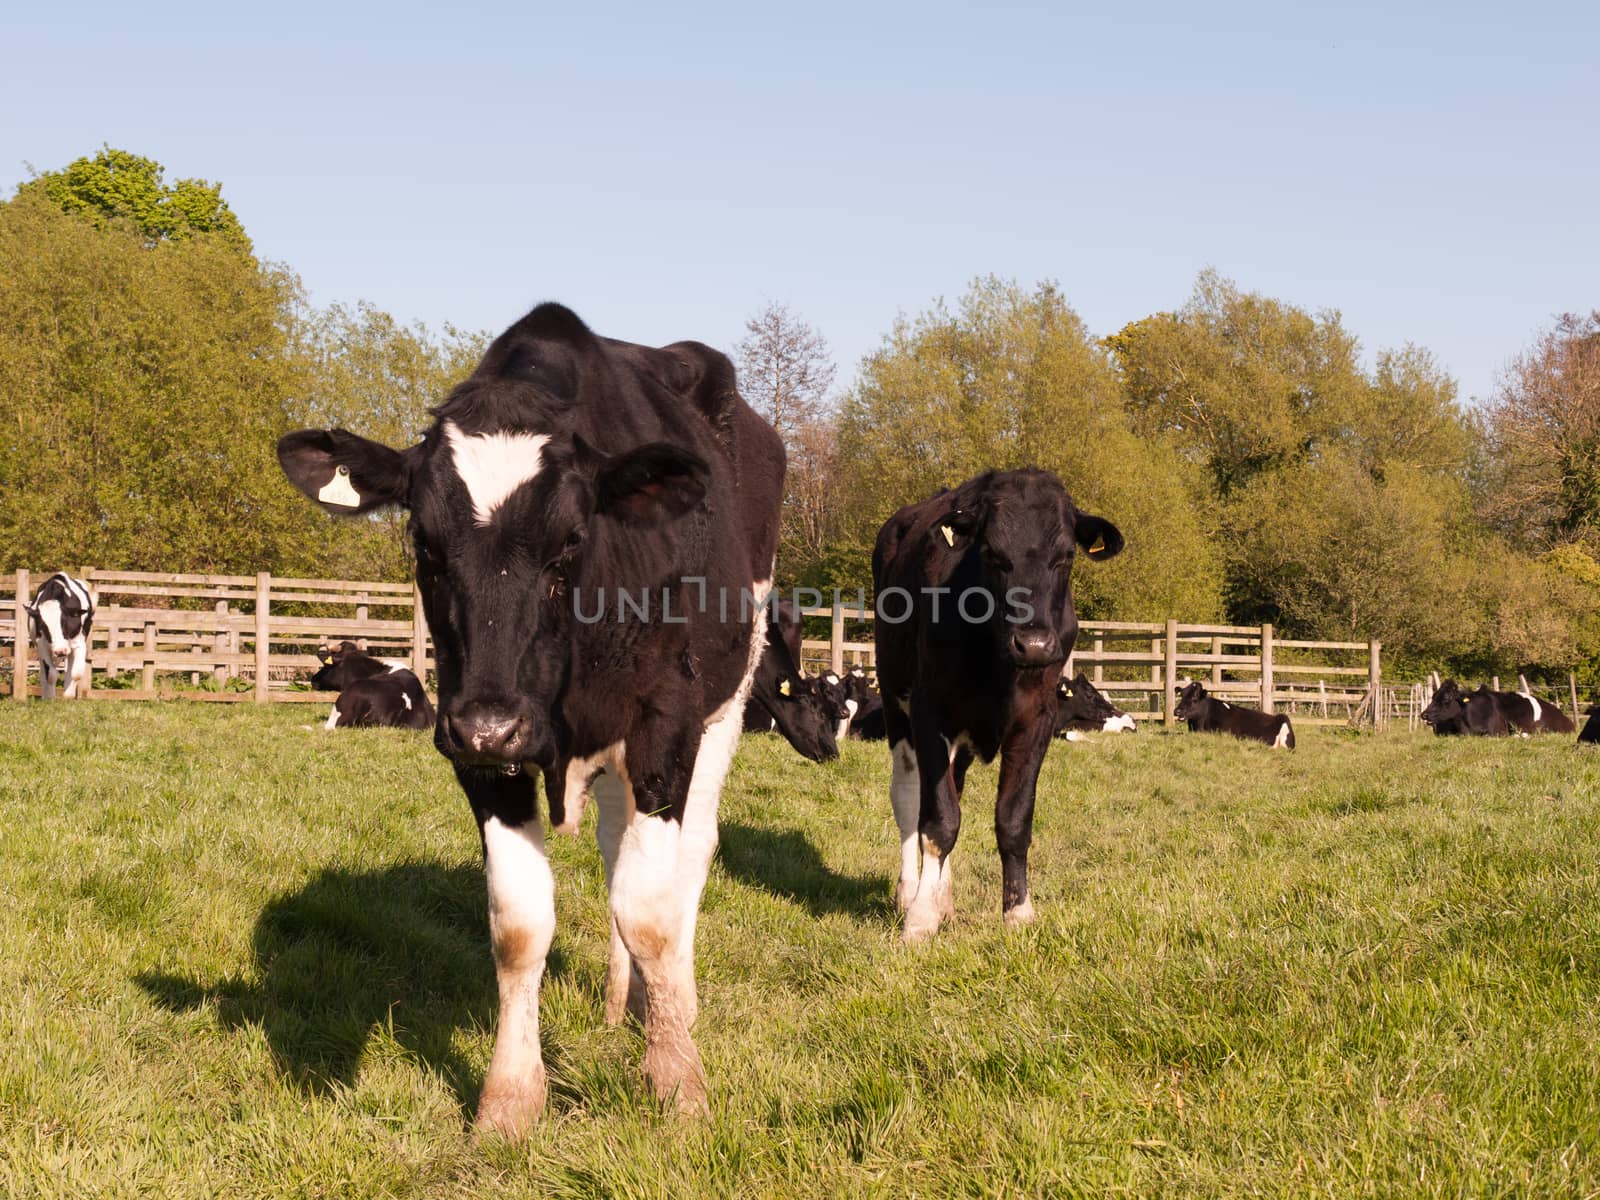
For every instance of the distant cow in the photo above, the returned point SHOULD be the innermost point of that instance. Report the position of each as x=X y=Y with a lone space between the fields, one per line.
x=783 y=701
x=1591 y=729
x=59 y=620
x=1207 y=714
x=1082 y=708
x=979 y=578
x=371 y=691
x=1486 y=713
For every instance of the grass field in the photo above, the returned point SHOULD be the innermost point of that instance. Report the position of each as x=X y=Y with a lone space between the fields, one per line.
x=239 y=957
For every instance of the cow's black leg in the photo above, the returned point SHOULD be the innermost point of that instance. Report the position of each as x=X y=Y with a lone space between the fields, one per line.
x=522 y=922
x=939 y=824
x=1021 y=756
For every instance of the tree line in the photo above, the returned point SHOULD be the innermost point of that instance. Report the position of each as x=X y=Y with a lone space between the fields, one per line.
x=1261 y=470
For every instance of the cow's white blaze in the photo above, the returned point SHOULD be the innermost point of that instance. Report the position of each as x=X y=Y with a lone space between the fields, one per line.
x=493 y=465
x=522 y=923
x=50 y=617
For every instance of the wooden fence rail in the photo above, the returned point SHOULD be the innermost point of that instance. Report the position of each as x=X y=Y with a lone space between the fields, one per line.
x=254 y=637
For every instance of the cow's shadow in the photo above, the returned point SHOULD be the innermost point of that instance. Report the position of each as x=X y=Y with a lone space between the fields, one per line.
x=786 y=863
x=404 y=948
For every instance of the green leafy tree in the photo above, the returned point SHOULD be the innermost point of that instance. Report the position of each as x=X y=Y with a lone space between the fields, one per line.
x=114 y=185
x=1012 y=378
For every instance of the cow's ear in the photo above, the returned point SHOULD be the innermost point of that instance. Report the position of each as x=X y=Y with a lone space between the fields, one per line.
x=949 y=539
x=1099 y=538
x=649 y=484
x=343 y=472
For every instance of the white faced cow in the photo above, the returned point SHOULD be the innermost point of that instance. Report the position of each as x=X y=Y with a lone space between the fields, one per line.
x=569 y=473
x=980 y=579
x=59 y=619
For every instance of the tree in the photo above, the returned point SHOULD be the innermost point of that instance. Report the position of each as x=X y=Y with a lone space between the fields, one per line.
x=1544 y=428
x=784 y=369
x=115 y=185
x=1013 y=378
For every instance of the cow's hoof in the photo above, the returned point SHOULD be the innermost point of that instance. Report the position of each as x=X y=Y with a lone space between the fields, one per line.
x=1021 y=915
x=676 y=1076
x=510 y=1109
x=920 y=928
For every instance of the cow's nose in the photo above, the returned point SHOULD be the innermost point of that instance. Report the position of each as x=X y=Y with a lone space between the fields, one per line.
x=490 y=736
x=1034 y=647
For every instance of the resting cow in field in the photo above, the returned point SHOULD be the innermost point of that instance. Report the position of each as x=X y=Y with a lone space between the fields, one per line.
x=783 y=701
x=979 y=578
x=59 y=619
x=569 y=482
x=1082 y=708
x=1486 y=713
x=1207 y=714
x=372 y=692
x=1591 y=727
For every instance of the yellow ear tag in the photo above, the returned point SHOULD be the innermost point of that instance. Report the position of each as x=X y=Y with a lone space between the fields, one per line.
x=783 y=687
x=1066 y=691
x=338 y=490
x=949 y=535
x=327 y=662
x=1099 y=545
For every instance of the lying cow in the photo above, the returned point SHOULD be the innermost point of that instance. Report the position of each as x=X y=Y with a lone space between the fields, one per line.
x=372 y=692
x=1207 y=714
x=1591 y=728
x=980 y=577
x=1487 y=713
x=783 y=701
x=1082 y=708
x=567 y=474
x=59 y=619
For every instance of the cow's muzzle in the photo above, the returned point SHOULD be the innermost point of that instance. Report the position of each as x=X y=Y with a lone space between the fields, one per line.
x=487 y=735
x=1032 y=647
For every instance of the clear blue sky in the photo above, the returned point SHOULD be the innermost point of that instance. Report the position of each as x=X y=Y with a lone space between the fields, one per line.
x=1432 y=171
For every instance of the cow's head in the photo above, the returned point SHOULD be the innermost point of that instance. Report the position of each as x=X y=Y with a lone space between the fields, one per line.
x=1014 y=535
x=1080 y=701
x=1190 y=699
x=803 y=717
x=330 y=676
x=1449 y=703
x=510 y=512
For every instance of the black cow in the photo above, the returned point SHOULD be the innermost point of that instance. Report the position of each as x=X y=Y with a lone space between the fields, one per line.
x=594 y=525
x=1591 y=728
x=1083 y=708
x=1207 y=714
x=1487 y=713
x=866 y=719
x=59 y=619
x=371 y=692
x=783 y=700
x=975 y=620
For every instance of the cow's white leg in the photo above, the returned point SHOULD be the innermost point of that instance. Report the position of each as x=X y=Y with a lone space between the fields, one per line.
x=613 y=809
x=77 y=669
x=522 y=922
x=47 y=670
x=647 y=905
x=905 y=794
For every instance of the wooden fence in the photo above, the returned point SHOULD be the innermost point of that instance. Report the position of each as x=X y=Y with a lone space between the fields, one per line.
x=254 y=637
x=1139 y=665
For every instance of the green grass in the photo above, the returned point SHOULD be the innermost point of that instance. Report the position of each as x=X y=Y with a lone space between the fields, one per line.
x=239 y=957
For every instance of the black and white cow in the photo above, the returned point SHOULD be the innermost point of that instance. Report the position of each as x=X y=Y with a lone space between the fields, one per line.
x=783 y=701
x=59 y=619
x=975 y=620
x=570 y=482
x=372 y=692
x=1207 y=714
x=1487 y=713
x=1083 y=708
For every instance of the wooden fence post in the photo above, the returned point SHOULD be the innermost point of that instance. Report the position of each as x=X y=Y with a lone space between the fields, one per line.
x=1099 y=649
x=1169 y=667
x=836 y=640
x=1375 y=676
x=147 y=675
x=1266 y=668
x=419 y=637
x=1216 y=668
x=1572 y=686
x=19 y=647
x=263 y=633
x=221 y=671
